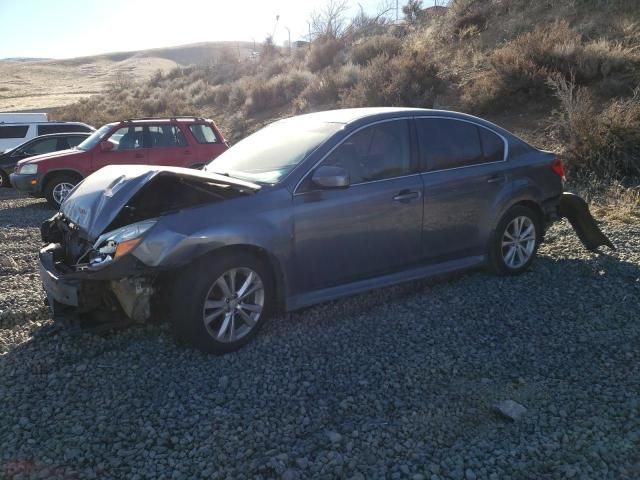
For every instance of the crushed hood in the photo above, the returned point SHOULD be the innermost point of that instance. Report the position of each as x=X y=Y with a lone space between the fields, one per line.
x=98 y=199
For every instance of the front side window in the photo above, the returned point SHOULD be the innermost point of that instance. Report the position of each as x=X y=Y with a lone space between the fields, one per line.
x=42 y=146
x=203 y=133
x=377 y=152
x=14 y=131
x=95 y=138
x=448 y=143
x=128 y=138
x=74 y=141
x=166 y=136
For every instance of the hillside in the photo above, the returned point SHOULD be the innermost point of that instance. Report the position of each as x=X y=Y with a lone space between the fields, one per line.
x=32 y=84
x=564 y=75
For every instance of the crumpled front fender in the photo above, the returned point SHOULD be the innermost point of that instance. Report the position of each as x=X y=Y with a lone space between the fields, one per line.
x=576 y=210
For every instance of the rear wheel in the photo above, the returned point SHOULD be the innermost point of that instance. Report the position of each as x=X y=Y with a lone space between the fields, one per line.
x=515 y=241
x=58 y=188
x=219 y=304
x=4 y=179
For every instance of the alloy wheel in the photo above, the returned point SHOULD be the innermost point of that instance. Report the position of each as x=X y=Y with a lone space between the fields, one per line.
x=518 y=242
x=233 y=304
x=61 y=191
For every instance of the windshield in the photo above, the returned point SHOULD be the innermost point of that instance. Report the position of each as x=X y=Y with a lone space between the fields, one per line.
x=94 y=138
x=271 y=153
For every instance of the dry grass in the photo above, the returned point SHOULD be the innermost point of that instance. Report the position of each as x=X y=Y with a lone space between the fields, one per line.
x=614 y=200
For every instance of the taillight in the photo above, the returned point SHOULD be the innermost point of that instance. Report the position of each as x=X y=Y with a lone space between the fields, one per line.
x=558 y=168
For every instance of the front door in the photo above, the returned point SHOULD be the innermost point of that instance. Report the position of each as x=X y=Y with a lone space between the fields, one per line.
x=130 y=146
x=370 y=228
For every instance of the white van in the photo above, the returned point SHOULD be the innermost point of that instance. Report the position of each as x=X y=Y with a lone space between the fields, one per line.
x=14 y=133
x=11 y=117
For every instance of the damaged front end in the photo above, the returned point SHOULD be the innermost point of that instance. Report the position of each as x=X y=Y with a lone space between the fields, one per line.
x=89 y=262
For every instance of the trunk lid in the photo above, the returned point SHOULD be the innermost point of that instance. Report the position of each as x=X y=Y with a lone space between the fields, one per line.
x=96 y=202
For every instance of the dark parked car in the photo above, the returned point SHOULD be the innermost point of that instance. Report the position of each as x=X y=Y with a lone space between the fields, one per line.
x=54 y=142
x=308 y=209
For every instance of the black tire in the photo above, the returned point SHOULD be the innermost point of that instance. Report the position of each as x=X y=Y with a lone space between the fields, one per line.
x=54 y=181
x=4 y=179
x=192 y=286
x=497 y=261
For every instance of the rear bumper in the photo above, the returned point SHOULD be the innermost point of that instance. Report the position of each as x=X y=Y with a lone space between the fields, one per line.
x=29 y=183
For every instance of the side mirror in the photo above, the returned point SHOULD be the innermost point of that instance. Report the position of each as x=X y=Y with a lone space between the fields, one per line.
x=19 y=153
x=106 y=146
x=331 y=176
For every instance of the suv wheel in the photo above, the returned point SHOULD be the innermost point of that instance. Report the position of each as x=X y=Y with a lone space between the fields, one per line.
x=58 y=188
x=4 y=179
x=515 y=241
x=218 y=305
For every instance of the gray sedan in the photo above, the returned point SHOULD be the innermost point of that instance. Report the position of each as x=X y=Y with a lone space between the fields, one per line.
x=308 y=209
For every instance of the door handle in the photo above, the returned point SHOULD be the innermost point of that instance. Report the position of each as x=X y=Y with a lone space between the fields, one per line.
x=187 y=152
x=497 y=178
x=139 y=155
x=406 y=196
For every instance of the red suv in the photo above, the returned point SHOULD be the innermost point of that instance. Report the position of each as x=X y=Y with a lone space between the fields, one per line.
x=178 y=141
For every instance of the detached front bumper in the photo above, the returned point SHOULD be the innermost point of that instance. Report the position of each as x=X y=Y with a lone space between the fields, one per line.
x=29 y=182
x=125 y=280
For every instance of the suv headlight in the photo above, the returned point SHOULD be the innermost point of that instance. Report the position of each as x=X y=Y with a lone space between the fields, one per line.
x=125 y=238
x=29 y=168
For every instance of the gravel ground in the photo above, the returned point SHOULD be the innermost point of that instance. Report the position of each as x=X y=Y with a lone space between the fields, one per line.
x=397 y=383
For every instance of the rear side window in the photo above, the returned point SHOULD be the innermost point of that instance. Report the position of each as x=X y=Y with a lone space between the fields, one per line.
x=448 y=143
x=61 y=128
x=164 y=136
x=14 y=131
x=492 y=146
x=203 y=133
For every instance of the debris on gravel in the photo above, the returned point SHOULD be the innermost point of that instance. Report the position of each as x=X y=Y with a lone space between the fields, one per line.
x=511 y=409
x=396 y=383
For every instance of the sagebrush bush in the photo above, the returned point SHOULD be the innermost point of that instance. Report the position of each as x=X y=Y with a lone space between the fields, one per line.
x=323 y=52
x=370 y=47
x=277 y=91
x=324 y=90
x=604 y=142
x=410 y=79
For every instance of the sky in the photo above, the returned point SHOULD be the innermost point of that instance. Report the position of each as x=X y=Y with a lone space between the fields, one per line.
x=72 y=28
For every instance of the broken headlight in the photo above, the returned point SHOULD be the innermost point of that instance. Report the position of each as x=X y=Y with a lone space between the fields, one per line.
x=121 y=241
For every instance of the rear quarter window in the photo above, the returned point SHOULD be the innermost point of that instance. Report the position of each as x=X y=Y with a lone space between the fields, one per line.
x=203 y=133
x=492 y=146
x=13 y=131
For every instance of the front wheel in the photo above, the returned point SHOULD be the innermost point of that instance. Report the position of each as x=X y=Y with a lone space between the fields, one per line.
x=58 y=188
x=515 y=241
x=219 y=304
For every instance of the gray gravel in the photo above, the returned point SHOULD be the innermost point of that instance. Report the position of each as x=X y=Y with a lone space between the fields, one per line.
x=397 y=383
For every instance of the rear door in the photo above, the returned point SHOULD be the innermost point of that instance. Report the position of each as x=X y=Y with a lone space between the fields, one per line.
x=128 y=148
x=169 y=146
x=465 y=175
x=12 y=136
x=370 y=228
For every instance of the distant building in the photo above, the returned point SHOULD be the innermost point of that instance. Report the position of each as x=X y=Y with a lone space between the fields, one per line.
x=299 y=44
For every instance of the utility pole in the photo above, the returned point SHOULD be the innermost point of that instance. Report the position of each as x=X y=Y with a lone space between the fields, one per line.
x=289 y=32
x=396 y=11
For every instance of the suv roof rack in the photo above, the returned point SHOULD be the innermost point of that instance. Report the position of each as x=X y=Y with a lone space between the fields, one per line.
x=173 y=117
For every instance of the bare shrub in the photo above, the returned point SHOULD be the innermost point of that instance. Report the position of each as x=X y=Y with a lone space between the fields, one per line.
x=324 y=90
x=606 y=143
